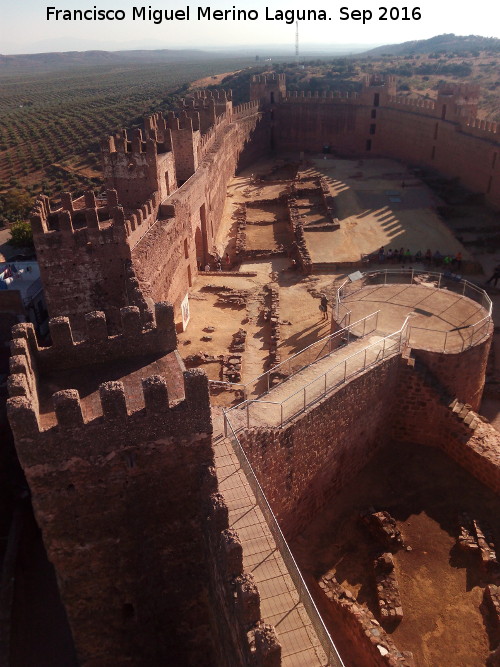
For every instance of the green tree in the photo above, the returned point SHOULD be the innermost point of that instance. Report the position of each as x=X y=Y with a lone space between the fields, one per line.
x=21 y=234
x=18 y=200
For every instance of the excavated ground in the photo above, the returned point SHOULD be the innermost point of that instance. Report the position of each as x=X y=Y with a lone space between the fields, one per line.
x=445 y=622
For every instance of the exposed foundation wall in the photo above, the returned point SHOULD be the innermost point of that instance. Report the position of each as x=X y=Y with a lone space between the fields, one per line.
x=307 y=462
x=304 y=464
x=429 y=415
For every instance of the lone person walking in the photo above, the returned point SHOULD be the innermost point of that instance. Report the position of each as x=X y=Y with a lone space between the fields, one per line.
x=323 y=306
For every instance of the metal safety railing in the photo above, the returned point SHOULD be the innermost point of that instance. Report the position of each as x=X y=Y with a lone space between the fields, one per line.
x=332 y=655
x=259 y=412
x=457 y=339
x=282 y=372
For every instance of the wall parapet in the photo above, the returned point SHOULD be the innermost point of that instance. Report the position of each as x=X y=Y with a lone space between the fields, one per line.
x=98 y=346
x=138 y=221
x=245 y=109
x=482 y=128
x=319 y=97
x=85 y=220
x=417 y=103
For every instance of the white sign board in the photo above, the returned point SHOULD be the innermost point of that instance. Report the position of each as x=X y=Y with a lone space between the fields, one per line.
x=185 y=312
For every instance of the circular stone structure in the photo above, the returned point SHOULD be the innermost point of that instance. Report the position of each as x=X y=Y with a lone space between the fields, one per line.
x=445 y=314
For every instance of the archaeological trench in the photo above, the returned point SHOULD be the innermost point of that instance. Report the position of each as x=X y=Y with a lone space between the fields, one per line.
x=221 y=473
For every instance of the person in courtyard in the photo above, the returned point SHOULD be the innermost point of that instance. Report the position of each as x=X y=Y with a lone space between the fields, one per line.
x=495 y=276
x=323 y=306
x=381 y=255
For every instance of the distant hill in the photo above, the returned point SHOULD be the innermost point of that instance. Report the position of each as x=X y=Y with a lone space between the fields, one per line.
x=448 y=43
x=91 y=58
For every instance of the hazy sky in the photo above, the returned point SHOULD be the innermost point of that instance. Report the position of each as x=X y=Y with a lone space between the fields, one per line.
x=24 y=28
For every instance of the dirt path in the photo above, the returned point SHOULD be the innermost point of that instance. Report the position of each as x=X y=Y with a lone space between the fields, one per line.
x=214 y=80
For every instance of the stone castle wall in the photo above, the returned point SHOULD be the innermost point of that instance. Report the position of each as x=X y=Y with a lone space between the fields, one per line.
x=126 y=498
x=168 y=184
x=439 y=135
x=307 y=462
x=304 y=464
x=120 y=498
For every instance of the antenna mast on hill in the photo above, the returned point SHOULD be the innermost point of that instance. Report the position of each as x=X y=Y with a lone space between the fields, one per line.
x=296 y=42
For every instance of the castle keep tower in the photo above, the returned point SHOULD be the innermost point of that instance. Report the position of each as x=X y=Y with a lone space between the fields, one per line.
x=377 y=89
x=82 y=251
x=268 y=88
x=457 y=101
x=114 y=438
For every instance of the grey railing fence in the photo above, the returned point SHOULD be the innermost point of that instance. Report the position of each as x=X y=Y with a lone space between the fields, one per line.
x=455 y=340
x=282 y=372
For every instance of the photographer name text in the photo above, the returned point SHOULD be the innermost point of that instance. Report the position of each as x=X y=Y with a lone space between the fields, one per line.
x=207 y=13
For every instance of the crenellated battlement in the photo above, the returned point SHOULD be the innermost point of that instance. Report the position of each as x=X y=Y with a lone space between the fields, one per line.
x=319 y=96
x=418 y=103
x=120 y=144
x=245 y=109
x=204 y=94
x=96 y=220
x=376 y=80
x=123 y=402
x=209 y=105
x=466 y=91
x=268 y=88
x=98 y=345
x=482 y=128
x=270 y=77
x=27 y=421
x=138 y=221
x=208 y=139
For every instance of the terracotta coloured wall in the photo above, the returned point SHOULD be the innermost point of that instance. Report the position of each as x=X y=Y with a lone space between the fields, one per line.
x=416 y=134
x=160 y=258
x=306 y=463
x=121 y=501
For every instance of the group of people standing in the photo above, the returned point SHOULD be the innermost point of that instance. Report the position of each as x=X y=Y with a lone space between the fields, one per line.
x=402 y=256
x=216 y=264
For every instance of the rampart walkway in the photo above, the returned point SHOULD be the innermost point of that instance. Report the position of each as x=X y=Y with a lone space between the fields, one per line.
x=279 y=599
x=293 y=395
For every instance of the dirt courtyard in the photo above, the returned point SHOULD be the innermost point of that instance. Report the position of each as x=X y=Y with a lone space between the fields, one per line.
x=378 y=203
x=444 y=623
